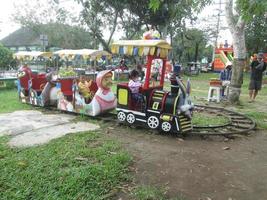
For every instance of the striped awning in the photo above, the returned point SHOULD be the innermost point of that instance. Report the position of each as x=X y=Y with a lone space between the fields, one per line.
x=29 y=55
x=85 y=53
x=141 y=47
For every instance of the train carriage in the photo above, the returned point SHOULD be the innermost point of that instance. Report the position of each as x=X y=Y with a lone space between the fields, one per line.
x=31 y=83
x=169 y=111
x=71 y=93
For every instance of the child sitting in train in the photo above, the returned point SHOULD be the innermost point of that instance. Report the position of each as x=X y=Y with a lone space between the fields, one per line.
x=134 y=85
x=84 y=88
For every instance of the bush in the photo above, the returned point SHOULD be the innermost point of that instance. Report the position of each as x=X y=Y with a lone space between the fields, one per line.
x=5 y=57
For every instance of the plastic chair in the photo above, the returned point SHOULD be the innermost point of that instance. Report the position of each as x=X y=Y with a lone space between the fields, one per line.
x=212 y=96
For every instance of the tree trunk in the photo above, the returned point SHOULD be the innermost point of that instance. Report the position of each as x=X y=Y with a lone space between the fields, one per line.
x=236 y=80
x=196 y=51
x=238 y=65
x=237 y=29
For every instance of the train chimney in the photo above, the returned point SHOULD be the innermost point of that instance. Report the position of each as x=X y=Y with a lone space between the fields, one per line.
x=174 y=85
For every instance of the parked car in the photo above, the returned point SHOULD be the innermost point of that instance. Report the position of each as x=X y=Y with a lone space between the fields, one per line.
x=192 y=68
x=205 y=67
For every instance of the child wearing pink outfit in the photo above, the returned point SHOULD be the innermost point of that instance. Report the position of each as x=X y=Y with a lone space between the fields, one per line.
x=134 y=85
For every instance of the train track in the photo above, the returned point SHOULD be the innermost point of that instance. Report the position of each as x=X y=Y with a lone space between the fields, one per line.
x=237 y=123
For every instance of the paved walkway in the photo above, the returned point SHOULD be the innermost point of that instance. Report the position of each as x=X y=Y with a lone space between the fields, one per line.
x=29 y=128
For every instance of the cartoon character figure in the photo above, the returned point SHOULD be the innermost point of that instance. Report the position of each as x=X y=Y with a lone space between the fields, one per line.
x=49 y=92
x=104 y=98
x=151 y=34
x=24 y=75
x=63 y=103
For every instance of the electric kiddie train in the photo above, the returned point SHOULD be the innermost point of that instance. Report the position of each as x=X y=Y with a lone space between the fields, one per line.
x=168 y=111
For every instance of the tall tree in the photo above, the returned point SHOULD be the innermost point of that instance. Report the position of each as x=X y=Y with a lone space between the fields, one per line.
x=189 y=45
x=174 y=26
x=244 y=12
x=100 y=16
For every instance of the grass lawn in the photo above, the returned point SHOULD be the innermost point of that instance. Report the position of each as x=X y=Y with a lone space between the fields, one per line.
x=10 y=101
x=256 y=110
x=79 y=166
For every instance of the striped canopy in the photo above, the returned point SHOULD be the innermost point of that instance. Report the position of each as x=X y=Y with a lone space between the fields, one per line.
x=141 y=48
x=29 y=55
x=85 y=53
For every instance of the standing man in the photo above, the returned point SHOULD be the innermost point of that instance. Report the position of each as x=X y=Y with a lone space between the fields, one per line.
x=257 y=68
x=225 y=77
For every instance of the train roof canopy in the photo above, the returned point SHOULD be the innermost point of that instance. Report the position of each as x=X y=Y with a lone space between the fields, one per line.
x=22 y=55
x=158 y=48
x=85 y=53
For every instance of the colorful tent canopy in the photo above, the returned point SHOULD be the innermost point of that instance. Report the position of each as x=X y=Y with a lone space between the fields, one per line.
x=85 y=53
x=141 y=47
x=24 y=55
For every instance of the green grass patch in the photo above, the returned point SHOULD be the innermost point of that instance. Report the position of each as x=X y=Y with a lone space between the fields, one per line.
x=10 y=101
x=152 y=193
x=80 y=166
x=259 y=117
x=148 y=193
x=205 y=119
x=8 y=84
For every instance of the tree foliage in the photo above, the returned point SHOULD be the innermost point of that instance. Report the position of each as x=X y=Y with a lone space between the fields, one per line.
x=133 y=17
x=189 y=45
x=5 y=57
x=65 y=36
x=249 y=9
x=256 y=35
x=50 y=18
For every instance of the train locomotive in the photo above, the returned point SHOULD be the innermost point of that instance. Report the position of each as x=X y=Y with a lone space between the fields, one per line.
x=168 y=111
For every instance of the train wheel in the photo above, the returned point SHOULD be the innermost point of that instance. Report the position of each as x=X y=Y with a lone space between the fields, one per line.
x=130 y=118
x=166 y=126
x=121 y=116
x=153 y=122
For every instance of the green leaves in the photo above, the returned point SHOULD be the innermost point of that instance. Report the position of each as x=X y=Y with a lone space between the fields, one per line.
x=5 y=57
x=154 y=5
x=250 y=9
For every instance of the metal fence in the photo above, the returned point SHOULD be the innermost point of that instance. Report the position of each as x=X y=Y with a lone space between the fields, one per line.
x=8 y=73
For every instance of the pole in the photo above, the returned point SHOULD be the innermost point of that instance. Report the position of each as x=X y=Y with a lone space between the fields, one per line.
x=217 y=29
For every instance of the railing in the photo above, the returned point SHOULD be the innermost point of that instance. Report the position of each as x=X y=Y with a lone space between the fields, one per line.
x=8 y=74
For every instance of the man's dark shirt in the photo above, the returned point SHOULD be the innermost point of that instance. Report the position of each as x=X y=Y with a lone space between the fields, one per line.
x=256 y=70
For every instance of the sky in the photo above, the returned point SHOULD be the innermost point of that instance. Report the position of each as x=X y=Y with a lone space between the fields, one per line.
x=7 y=26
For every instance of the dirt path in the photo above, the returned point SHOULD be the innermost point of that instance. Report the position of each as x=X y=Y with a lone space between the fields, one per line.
x=198 y=169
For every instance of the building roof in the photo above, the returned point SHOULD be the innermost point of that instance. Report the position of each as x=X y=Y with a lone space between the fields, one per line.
x=22 y=37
